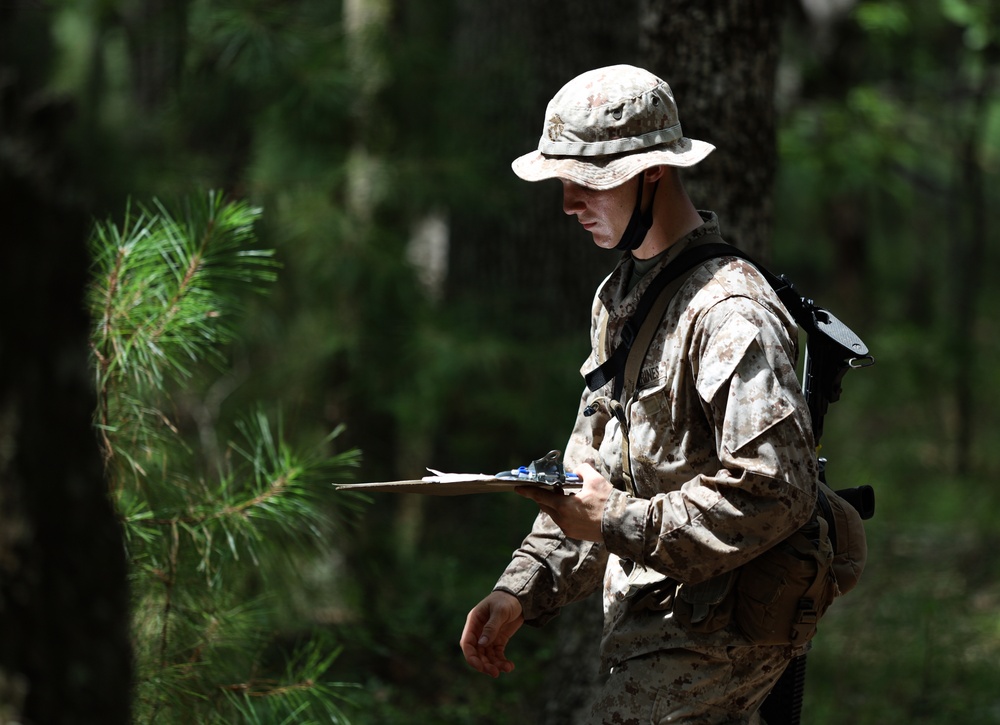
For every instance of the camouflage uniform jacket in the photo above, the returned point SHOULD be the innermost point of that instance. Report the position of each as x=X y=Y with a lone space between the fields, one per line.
x=721 y=454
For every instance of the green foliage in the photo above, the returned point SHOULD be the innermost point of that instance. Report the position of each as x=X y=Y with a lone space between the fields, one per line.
x=210 y=538
x=164 y=298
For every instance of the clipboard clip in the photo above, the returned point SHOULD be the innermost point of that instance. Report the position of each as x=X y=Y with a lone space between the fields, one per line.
x=548 y=469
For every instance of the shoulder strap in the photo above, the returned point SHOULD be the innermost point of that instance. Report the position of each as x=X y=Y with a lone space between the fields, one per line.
x=644 y=336
x=657 y=296
x=836 y=346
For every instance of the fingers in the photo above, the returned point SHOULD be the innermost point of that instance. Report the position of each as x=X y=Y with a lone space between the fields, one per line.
x=596 y=484
x=488 y=628
x=488 y=658
x=592 y=480
x=578 y=515
x=536 y=494
x=479 y=656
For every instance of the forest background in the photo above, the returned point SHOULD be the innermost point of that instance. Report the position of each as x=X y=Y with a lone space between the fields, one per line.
x=436 y=307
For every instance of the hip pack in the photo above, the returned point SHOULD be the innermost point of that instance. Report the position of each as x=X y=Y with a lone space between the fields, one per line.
x=781 y=595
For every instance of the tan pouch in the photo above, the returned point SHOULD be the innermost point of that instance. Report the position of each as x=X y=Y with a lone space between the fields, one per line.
x=851 y=550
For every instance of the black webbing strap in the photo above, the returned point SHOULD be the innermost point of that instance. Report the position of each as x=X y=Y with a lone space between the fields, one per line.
x=613 y=369
x=696 y=254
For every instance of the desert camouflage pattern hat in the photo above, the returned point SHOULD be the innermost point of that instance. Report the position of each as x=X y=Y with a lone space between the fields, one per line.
x=605 y=126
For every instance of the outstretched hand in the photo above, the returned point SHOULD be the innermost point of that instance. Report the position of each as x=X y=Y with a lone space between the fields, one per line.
x=488 y=629
x=579 y=515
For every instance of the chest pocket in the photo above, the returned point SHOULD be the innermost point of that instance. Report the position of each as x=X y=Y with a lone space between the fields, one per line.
x=649 y=415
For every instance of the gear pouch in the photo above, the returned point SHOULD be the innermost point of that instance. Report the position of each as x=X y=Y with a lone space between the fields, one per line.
x=781 y=594
x=707 y=606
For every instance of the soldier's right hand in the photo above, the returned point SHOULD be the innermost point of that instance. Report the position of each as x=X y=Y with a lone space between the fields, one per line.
x=488 y=629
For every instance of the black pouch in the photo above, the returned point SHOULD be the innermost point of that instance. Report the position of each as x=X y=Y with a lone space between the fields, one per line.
x=781 y=595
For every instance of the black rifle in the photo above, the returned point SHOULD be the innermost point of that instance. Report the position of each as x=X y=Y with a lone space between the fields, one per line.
x=831 y=350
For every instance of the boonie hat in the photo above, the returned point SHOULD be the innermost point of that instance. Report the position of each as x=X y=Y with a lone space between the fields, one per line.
x=605 y=126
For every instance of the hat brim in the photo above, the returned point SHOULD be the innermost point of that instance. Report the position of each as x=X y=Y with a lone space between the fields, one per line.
x=606 y=172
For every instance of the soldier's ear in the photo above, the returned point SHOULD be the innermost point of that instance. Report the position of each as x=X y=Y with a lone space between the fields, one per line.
x=654 y=173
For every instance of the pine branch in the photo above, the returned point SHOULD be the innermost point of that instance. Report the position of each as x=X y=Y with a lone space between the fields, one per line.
x=270 y=497
x=301 y=693
x=166 y=289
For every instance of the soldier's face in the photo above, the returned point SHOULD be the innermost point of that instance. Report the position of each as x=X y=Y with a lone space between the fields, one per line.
x=605 y=214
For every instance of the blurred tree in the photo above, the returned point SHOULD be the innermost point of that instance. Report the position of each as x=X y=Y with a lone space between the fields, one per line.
x=722 y=59
x=977 y=60
x=889 y=145
x=64 y=650
x=889 y=141
x=156 y=38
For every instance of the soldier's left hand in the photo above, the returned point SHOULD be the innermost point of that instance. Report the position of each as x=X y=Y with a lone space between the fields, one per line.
x=578 y=514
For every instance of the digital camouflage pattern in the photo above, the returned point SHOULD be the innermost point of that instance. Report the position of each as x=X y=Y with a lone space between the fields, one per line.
x=605 y=126
x=637 y=693
x=722 y=460
x=610 y=111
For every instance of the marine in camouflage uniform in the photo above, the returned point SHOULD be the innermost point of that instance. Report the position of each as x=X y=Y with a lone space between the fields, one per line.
x=719 y=441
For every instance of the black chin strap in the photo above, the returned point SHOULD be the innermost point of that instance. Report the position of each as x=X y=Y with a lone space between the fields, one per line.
x=640 y=222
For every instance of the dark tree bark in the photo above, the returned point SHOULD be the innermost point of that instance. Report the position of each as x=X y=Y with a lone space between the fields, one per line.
x=64 y=652
x=720 y=58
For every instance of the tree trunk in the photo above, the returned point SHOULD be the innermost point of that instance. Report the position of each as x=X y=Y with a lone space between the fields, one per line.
x=969 y=249
x=64 y=651
x=720 y=58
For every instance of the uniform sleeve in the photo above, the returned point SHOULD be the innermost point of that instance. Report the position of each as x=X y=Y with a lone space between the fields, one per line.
x=550 y=570
x=742 y=364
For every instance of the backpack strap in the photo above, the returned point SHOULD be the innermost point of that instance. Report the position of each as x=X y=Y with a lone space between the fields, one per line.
x=625 y=363
x=839 y=348
x=619 y=366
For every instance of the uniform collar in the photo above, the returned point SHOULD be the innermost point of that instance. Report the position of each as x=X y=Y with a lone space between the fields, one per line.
x=615 y=294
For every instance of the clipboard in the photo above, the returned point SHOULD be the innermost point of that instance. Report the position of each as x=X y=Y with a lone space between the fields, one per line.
x=547 y=473
x=453 y=484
